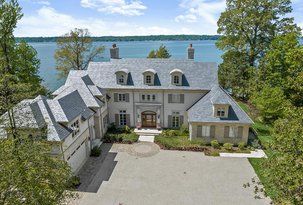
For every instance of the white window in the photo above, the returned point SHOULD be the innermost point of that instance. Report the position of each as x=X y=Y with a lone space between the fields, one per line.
x=75 y=127
x=121 y=79
x=176 y=120
x=122 y=97
x=220 y=112
x=205 y=131
x=105 y=121
x=148 y=97
x=148 y=79
x=233 y=132
x=122 y=118
x=176 y=80
x=143 y=97
x=154 y=97
x=176 y=98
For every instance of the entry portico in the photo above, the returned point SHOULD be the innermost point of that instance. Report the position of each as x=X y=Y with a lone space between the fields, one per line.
x=148 y=115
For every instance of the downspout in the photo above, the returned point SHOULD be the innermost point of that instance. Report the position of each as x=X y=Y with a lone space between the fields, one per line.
x=134 y=107
x=163 y=100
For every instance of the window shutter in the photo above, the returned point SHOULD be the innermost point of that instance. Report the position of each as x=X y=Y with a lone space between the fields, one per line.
x=199 y=131
x=240 y=132
x=212 y=131
x=181 y=98
x=115 y=97
x=170 y=121
x=181 y=120
x=128 y=120
x=117 y=120
x=127 y=97
x=226 y=131
x=170 y=97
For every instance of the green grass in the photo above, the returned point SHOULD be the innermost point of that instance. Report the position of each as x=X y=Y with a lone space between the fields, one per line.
x=244 y=106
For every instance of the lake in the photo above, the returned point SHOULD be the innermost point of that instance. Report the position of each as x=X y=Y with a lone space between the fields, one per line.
x=205 y=51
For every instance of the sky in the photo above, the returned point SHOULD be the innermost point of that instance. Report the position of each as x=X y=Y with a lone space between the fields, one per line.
x=125 y=17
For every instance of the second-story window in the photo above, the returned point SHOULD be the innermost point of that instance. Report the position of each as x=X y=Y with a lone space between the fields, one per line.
x=176 y=80
x=122 y=97
x=176 y=98
x=148 y=97
x=75 y=127
x=148 y=79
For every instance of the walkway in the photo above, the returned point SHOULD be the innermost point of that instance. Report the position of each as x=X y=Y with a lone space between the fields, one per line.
x=146 y=138
x=258 y=153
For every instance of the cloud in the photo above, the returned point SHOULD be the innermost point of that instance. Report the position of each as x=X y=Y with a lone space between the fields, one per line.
x=49 y=22
x=201 y=10
x=46 y=3
x=127 y=8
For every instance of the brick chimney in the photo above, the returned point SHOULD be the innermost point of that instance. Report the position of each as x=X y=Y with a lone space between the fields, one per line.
x=114 y=52
x=190 y=52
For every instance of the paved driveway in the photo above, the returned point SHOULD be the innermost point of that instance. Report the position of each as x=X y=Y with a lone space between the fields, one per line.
x=167 y=177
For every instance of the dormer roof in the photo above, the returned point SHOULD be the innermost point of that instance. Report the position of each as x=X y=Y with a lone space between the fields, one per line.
x=176 y=71
x=150 y=71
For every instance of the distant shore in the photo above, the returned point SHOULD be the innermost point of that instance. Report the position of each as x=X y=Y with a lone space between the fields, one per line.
x=129 y=38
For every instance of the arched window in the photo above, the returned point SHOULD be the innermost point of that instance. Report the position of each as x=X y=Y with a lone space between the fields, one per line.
x=148 y=79
x=176 y=80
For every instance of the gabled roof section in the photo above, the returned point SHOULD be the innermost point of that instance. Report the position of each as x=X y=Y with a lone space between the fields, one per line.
x=220 y=99
x=150 y=71
x=202 y=111
x=176 y=71
x=196 y=75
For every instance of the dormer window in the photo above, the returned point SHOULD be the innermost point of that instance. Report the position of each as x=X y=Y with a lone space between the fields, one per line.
x=148 y=79
x=121 y=79
x=176 y=77
x=122 y=76
x=220 y=112
x=176 y=80
x=149 y=76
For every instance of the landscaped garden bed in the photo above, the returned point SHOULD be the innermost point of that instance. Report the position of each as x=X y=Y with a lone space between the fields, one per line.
x=179 y=140
x=124 y=135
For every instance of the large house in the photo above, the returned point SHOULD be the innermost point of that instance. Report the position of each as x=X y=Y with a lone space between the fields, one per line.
x=140 y=93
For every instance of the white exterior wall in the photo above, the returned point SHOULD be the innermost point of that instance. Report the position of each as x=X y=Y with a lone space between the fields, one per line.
x=166 y=109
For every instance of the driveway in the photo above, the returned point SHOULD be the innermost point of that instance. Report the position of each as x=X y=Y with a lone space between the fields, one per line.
x=123 y=177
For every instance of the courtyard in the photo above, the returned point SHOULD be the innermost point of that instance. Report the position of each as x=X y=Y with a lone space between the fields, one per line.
x=142 y=174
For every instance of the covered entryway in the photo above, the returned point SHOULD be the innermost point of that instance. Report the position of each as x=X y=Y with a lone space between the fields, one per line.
x=149 y=119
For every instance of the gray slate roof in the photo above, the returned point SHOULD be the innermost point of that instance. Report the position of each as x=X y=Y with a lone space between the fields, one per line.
x=197 y=75
x=202 y=111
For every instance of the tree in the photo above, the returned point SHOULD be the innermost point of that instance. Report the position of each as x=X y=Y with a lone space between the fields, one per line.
x=29 y=175
x=284 y=167
x=271 y=102
x=248 y=27
x=162 y=52
x=75 y=51
x=282 y=67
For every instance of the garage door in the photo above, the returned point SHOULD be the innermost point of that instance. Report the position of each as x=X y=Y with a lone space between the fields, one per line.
x=78 y=157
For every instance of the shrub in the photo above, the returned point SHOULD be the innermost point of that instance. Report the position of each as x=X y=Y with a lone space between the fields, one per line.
x=215 y=144
x=241 y=145
x=199 y=142
x=112 y=127
x=184 y=130
x=96 y=152
x=228 y=146
x=172 y=133
x=126 y=129
x=74 y=182
x=214 y=153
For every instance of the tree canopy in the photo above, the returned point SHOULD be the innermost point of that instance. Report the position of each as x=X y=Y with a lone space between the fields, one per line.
x=75 y=51
x=162 y=52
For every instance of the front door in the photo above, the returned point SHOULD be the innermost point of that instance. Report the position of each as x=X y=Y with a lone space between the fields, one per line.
x=149 y=119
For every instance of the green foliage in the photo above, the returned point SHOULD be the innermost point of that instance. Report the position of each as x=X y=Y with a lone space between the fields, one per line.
x=215 y=144
x=162 y=52
x=74 y=182
x=199 y=142
x=30 y=175
x=75 y=51
x=184 y=130
x=228 y=146
x=126 y=129
x=283 y=67
x=284 y=168
x=241 y=145
x=179 y=142
x=96 y=151
x=270 y=101
x=248 y=27
x=119 y=136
